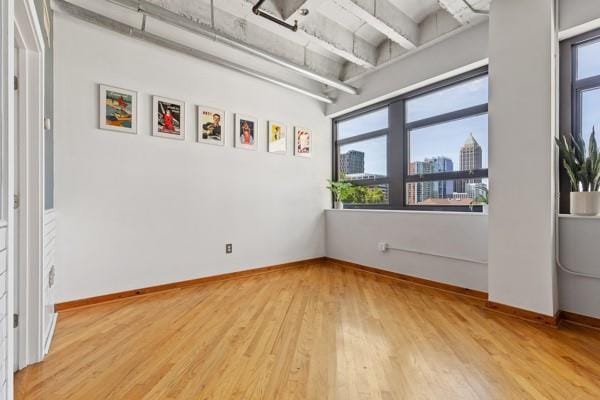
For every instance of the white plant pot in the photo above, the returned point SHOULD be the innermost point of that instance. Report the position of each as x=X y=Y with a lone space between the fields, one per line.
x=339 y=205
x=585 y=203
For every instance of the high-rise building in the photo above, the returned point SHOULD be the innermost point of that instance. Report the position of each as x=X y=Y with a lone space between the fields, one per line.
x=352 y=162
x=419 y=191
x=470 y=159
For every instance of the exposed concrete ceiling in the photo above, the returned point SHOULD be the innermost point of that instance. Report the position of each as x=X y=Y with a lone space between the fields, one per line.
x=339 y=39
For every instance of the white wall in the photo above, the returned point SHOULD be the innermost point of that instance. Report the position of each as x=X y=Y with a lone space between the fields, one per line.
x=118 y=229
x=521 y=148
x=578 y=13
x=136 y=210
x=464 y=49
x=353 y=235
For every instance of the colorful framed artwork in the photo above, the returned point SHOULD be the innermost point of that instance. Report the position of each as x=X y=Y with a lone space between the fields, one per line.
x=302 y=142
x=168 y=118
x=246 y=132
x=118 y=109
x=211 y=126
x=277 y=142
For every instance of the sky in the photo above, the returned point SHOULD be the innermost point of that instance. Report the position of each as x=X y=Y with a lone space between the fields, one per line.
x=588 y=64
x=588 y=60
x=590 y=113
x=437 y=140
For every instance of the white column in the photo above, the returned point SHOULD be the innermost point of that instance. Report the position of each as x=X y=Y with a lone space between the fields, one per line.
x=522 y=47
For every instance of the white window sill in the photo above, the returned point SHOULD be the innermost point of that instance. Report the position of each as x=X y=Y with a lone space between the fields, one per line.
x=427 y=212
x=579 y=216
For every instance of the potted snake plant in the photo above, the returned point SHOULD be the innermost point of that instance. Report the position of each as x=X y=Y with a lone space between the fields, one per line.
x=583 y=170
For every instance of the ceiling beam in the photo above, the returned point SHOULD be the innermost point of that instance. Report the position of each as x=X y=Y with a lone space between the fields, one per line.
x=386 y=18
x=331 y=36
x=458 y=9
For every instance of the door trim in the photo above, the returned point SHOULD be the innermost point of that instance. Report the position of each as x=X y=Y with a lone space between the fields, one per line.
x=29 y=38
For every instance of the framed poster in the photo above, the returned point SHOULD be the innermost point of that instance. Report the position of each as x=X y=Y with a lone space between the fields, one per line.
x=302 y=142
x=118 y=109
x=246 y=132
x=211 y=126
x=277 y=140
x=168 y=118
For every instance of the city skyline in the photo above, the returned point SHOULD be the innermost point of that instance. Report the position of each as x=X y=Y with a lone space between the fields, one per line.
x=352 y=165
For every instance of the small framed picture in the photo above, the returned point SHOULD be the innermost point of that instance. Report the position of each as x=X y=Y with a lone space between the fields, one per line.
x=168 y=118
x=302 y=142
x=277 y=137
x=211 y=126
x=118 y=109
x=246 y=132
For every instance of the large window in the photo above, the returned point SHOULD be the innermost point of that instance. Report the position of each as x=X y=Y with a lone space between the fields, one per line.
x=580 y=94
x=424 y=150
x=362 y=156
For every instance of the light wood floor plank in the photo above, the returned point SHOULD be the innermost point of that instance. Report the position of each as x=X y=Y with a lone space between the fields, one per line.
x=312 y=332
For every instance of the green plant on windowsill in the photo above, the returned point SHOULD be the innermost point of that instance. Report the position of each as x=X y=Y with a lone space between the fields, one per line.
x=346 y=192
x=341 y=191
x=583 y=169
x=483 y=198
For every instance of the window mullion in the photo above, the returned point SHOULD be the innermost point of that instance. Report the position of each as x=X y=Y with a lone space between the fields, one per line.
x=396 y=154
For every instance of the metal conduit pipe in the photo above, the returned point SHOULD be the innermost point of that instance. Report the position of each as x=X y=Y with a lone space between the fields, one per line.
x=172 y=18
x=425 y=253
x=559 y=263
x=119 y=27
x=474 y=10
x=256 y=10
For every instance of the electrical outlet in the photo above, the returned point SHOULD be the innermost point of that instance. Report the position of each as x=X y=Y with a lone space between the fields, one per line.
x=382 y=246
x=228 y=248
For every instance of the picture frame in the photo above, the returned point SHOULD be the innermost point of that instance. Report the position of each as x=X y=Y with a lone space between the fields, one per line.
x=276 y=137
x=168 y=118
x=246 y=132
x=117 y=109
x=302 y=142
x=211 y=125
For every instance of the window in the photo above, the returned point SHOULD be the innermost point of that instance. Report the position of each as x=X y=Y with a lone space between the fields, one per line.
x=362 y=143
x=579 y=94
x=424 y=150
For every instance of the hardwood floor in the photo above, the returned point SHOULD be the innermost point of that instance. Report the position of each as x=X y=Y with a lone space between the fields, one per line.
x=313 y=332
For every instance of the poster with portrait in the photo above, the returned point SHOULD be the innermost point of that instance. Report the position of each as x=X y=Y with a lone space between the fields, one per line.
x=277 y=137
x=302 y=142
x=211 y=126
x=118 y=109
x=246 y=132
x=168 y=118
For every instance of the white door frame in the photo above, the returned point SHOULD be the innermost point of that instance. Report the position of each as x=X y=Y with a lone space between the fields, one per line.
x=6 y=122
x=30 y=41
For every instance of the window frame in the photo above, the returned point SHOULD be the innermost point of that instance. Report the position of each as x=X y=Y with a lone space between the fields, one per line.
x=398 y=138
x=570 y=113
